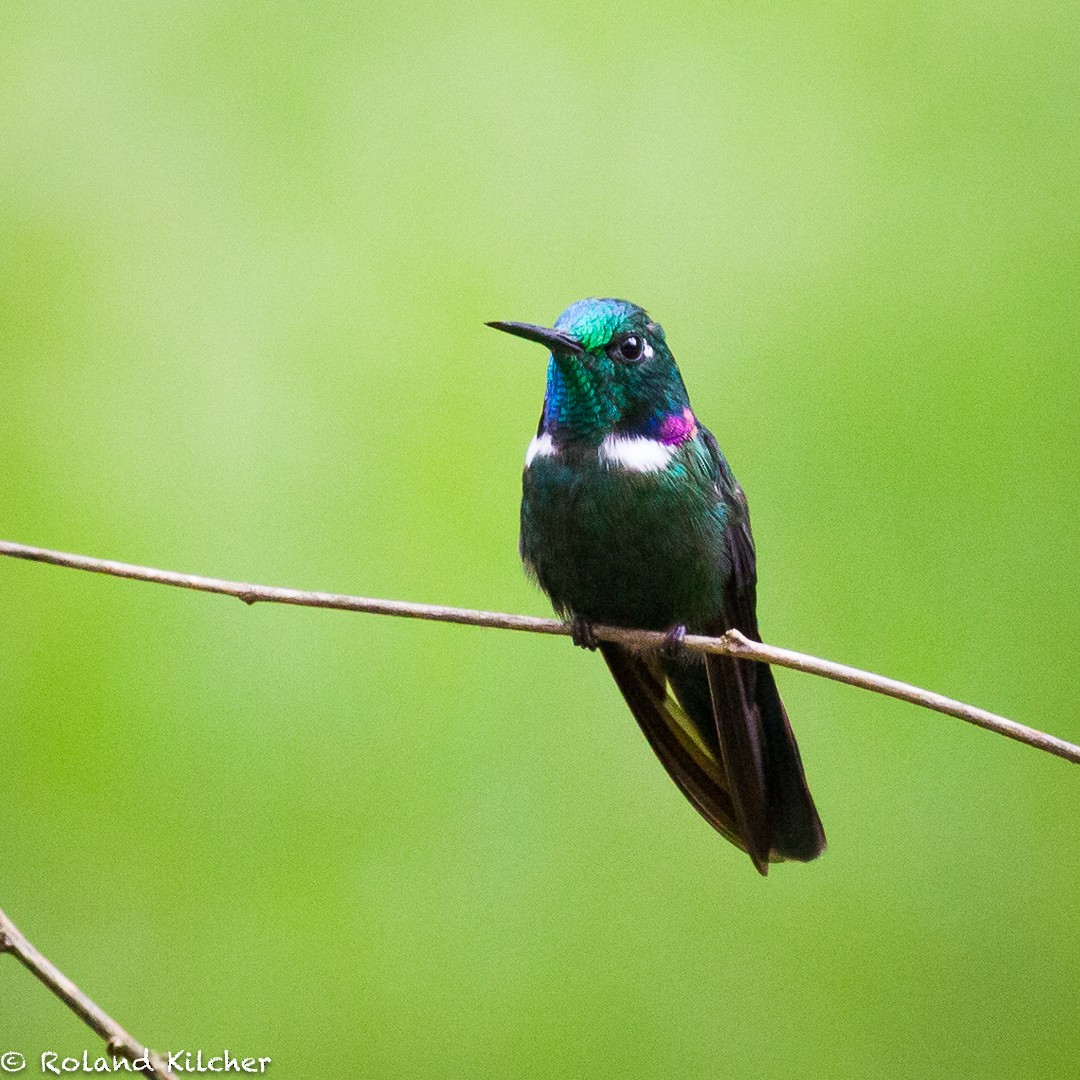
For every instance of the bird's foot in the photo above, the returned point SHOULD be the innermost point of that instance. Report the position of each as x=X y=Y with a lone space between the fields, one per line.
x=673 y=647
x=581 y=634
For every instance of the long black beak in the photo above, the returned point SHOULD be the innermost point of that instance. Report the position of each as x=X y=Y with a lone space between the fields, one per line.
x=555 y=340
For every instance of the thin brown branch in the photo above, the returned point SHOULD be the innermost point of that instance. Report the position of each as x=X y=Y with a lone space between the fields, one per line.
x=117 y=1040
x=732 y=643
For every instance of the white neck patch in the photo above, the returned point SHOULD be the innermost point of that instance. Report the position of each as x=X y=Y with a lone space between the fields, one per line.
x=636 y=453
x=541 y=446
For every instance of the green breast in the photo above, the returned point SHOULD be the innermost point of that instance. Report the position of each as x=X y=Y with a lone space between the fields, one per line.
x=625 y=547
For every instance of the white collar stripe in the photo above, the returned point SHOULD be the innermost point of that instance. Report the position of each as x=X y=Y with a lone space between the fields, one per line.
x=541 y=446
x=636 y=453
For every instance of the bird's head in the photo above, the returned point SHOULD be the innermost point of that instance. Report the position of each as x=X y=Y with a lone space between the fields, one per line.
x=610 y=370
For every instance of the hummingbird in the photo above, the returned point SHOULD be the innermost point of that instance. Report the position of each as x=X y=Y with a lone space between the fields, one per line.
x=631 y=517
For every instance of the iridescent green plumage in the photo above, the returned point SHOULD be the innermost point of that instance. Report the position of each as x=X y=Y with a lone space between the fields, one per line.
x=631 y=516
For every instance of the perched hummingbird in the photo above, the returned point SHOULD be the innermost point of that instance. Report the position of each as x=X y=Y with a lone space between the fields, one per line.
x=631 y=517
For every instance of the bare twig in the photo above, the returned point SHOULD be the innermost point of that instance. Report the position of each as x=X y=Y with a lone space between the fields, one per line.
x=117 y=1040
x=732 y=643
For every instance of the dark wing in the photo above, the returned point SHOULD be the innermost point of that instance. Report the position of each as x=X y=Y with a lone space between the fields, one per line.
x=773 y=807
x=718 y=726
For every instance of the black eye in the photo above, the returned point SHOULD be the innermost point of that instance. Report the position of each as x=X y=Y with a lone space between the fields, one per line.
x=631 y=348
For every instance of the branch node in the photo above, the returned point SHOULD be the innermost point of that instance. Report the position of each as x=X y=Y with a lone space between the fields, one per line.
x=735 y=643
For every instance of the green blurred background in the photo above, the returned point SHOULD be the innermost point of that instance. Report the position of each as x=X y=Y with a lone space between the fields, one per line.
x=246 y=251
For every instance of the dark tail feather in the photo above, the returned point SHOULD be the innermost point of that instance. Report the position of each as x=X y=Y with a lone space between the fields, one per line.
x=765 y=775
x=735 y=709
x=726 y=742
x=795 y=828
x=744 y=751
